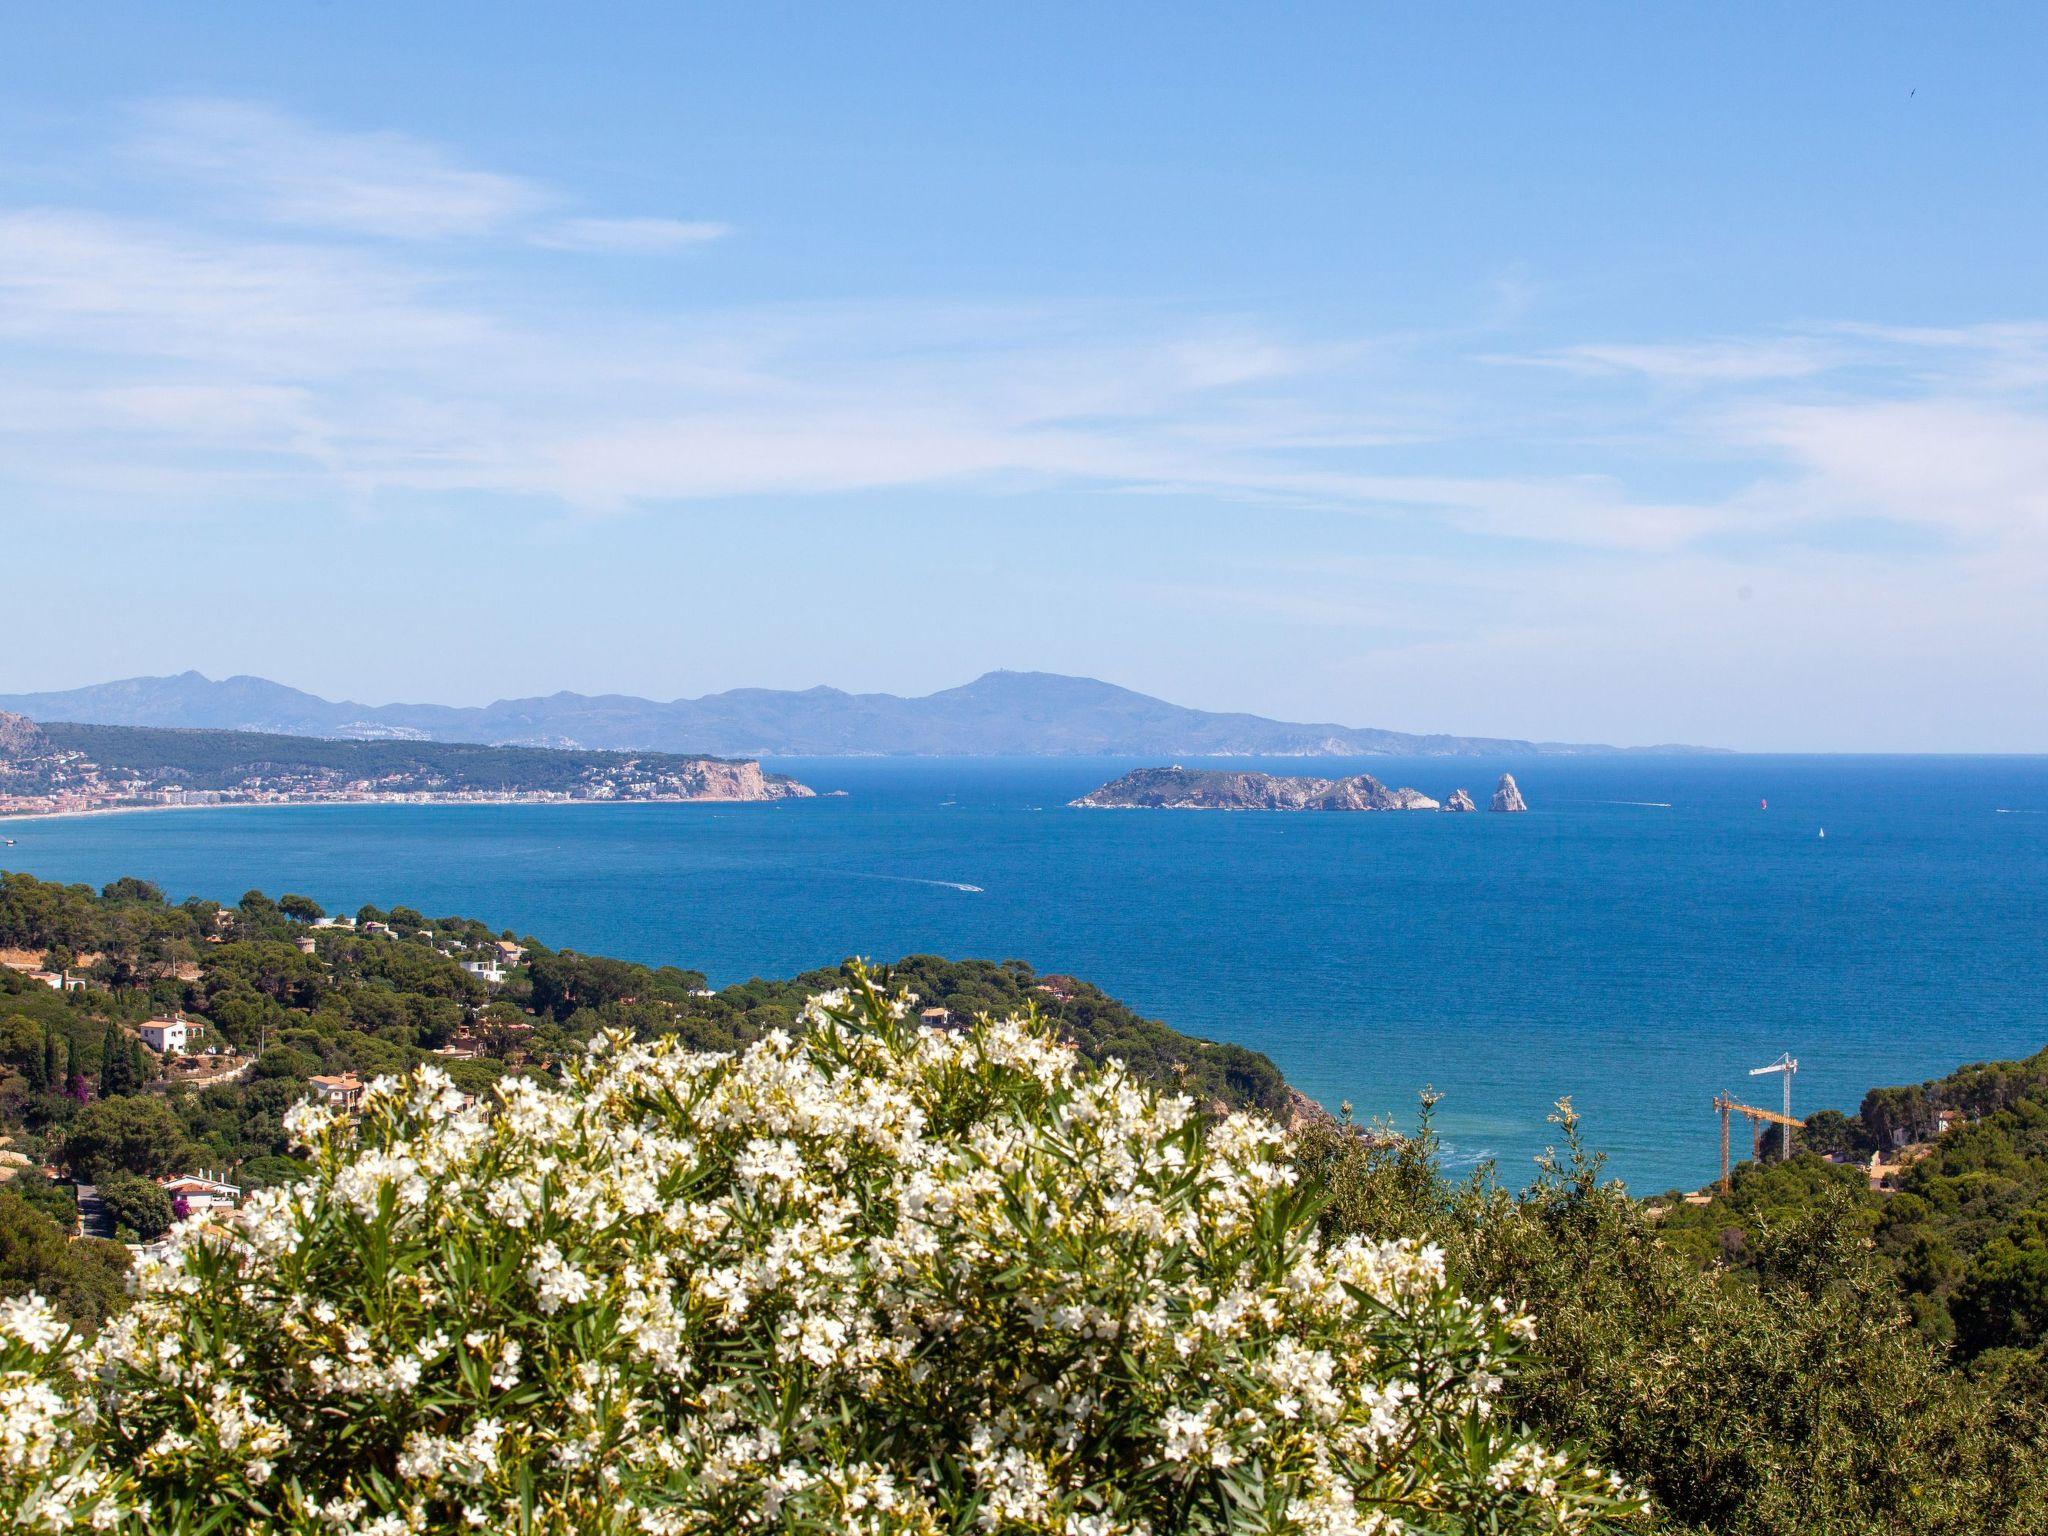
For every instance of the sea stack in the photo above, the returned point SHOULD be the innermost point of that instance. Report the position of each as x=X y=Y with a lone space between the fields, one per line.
x=1508 y=796
x=1459 y=801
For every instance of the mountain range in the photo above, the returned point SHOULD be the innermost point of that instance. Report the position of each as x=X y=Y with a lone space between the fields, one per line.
x=1025 y=714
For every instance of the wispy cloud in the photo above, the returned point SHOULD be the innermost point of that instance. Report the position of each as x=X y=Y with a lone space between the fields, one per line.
x=1723 y=361
x=287 y=170
x=633 y=236
x=302 y=353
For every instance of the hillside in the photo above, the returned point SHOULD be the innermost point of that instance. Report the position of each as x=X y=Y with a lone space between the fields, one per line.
x=1024 y=714
x=1960 y=1217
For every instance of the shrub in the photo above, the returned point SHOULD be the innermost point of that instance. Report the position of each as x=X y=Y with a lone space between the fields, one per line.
x=879 y=1279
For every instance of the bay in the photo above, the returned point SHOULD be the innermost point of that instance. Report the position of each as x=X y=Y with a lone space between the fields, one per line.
x=1638 y=941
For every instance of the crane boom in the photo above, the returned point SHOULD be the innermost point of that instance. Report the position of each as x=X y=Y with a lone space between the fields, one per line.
x=1726 y=1105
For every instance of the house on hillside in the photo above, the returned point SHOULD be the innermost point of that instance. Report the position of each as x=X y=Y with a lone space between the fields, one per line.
x=510 y=953
x=170 y=1037
x=936 y=1018
x=343 y=1091
x=486 y=970
x=306 y=944
x=201 y=1193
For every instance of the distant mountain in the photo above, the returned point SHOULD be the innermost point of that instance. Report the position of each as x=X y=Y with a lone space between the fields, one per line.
x=1024 y=714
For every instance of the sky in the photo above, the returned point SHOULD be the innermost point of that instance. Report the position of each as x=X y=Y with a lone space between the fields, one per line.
x=1603 y=372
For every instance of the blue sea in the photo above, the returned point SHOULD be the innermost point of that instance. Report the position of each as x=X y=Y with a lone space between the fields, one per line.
x=1638 y=941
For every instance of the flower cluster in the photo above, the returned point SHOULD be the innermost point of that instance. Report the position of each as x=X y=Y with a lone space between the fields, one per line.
x=877 y=1279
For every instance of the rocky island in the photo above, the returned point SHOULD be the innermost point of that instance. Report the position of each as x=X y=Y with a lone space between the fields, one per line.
x=1218 y=789
x=68 y=769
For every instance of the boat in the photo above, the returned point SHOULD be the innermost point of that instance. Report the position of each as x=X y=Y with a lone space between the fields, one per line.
x=1763 y=805
x=1823 y=831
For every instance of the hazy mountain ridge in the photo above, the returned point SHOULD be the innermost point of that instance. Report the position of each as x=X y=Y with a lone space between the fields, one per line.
x=1024 y=714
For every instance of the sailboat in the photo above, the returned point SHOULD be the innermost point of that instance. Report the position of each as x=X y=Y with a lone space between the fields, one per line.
x=1823 y=831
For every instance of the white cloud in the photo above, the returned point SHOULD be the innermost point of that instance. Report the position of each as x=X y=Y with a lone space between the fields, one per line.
x=1971 y=468
x=384 y=184
x=139 y=294
x=629 y=236
x=1709 y=362
x=359 y=369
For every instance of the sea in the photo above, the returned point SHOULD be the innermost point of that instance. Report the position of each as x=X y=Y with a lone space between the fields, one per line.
x=1652 y=930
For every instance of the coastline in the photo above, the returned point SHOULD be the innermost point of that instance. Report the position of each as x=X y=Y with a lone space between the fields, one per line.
x=10 y=818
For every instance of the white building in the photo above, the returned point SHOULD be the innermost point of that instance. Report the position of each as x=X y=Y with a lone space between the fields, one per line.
x=170 y=1037
x=202 y=1194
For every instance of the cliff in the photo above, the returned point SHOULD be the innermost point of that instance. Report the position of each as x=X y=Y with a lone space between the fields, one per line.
x=716 y=779
x=20 y=736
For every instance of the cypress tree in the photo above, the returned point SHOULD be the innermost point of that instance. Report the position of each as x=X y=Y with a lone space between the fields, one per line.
x=117 y=1065
x=36 y=1070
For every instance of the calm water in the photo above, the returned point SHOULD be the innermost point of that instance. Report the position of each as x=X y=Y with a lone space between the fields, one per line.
x=1637 y=956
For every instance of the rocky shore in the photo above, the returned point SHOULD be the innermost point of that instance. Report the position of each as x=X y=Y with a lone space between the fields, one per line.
x=1212 y=789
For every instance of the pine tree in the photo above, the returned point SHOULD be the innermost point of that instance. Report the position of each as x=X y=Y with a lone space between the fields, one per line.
x=36 y=1070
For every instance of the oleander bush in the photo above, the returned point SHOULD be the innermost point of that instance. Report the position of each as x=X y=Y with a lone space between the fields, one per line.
x=875 y=1279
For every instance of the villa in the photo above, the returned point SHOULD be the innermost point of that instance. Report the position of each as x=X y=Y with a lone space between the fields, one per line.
x=170 y=1037
x=343 y=1091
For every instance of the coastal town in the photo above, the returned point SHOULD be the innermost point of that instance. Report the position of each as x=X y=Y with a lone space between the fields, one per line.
x=73 y=770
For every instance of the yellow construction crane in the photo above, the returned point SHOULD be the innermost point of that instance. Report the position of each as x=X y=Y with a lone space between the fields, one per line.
x=1760 y=1118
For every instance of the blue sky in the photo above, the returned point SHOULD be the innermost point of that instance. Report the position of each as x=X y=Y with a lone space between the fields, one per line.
x=1623 y=372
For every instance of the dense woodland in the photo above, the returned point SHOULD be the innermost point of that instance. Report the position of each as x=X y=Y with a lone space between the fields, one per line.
x=1808 y=1355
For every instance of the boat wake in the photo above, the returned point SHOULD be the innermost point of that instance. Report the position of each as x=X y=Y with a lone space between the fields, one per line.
x=1661 y=805
x=944 y=885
